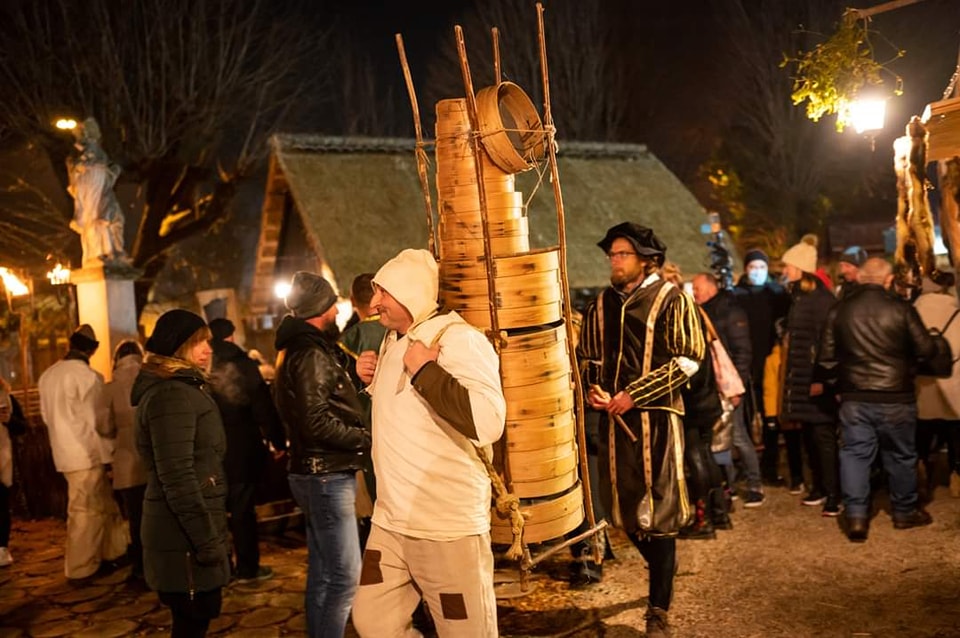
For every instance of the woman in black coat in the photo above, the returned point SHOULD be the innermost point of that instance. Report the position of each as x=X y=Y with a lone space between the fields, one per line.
x=181 y=440
x=807 y=413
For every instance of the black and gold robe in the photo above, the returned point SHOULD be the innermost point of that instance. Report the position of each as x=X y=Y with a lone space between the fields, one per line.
x=613 y=354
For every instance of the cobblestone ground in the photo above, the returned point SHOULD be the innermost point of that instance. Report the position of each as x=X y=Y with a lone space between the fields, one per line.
x=782 y=571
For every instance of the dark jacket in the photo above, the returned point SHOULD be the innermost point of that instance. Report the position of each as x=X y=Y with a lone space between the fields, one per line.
x=808 y=314
x=181 y=441
x=871 y=344
x=317 y=402
x=730 y=321
x=764 y=305
x=701 y=400
x=247 y=411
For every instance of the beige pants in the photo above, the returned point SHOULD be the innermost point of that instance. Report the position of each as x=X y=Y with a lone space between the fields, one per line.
x=454 y=577
x=95 y=529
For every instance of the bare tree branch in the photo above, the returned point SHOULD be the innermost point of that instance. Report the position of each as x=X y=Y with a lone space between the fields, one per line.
x=179 y=87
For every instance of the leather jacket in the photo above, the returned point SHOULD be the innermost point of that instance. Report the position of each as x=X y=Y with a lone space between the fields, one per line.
x=317 y=402
x=871 y=344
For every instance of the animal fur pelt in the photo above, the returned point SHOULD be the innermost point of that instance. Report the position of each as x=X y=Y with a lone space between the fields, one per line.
x=950 y=208
x=914 y=257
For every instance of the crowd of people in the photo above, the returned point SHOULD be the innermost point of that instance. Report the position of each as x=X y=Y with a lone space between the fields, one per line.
x=384 y=428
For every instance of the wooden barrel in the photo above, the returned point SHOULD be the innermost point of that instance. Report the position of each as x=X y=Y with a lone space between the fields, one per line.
x=467 y=227
x=472 y=192
x=545 y=519
x=525 y=435
x=509 y=318
x=452 y=118
x=467 y=212
x=499 y=246
x=531 y=263
x=510 y=127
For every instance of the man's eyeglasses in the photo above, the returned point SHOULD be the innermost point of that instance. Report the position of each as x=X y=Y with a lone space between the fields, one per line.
x=620 y=255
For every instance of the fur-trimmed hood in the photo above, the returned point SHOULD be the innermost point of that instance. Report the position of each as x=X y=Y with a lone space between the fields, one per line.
x=157 y=368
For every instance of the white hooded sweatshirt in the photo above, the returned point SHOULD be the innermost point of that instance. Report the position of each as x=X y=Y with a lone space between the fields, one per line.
x=69 y=397
x=431 y=483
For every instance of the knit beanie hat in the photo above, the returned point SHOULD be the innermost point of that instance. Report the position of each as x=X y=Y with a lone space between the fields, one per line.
x=803 y=255
x=854 y=255
x=84 y=339
x=755 y=254
x=221 y=328
x=310 y=295
x=413 y=279
x=173 y=329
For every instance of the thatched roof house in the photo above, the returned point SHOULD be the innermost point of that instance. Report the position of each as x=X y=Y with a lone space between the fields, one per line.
x=344 y=206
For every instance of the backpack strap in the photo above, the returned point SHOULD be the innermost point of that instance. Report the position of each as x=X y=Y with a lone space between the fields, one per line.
x=949 y=321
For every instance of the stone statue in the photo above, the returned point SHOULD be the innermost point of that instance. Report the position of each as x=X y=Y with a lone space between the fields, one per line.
x=97 y=215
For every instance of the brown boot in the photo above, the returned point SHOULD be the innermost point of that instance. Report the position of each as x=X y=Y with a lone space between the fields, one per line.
x=657 y=625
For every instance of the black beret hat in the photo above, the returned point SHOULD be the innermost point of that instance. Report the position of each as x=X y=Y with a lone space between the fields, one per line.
x=310 y=295
x=173 y=329
x=221 y=328
x=644 y=241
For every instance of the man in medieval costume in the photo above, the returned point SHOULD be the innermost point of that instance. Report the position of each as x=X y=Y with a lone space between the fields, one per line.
x=640 y=343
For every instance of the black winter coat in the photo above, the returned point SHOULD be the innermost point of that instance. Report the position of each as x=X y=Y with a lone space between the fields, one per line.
x=181 y=441
x=730 y=321
x=317 y=402
x=764 y=305
x=808 y=314
x=871 y=344
x=247 y=411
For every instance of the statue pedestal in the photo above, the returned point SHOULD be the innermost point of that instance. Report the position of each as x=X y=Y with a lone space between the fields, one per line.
x=106 y=301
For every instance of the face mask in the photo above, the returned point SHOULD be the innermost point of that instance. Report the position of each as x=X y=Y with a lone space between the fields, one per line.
x=757 y=277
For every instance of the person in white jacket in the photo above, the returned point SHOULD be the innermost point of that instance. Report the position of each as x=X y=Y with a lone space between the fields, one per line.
x=69 y=398
x=436 y=396
x=938 y=399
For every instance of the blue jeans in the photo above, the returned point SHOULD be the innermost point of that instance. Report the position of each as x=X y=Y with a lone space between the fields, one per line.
x=748 y=452
x=891 y=428
x=333 y=548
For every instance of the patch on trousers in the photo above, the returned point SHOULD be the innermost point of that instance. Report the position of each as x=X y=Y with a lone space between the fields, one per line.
x=453 y=606
x=370 y=573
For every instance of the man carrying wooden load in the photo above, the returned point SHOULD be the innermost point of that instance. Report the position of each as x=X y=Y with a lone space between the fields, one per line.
x=436 y=396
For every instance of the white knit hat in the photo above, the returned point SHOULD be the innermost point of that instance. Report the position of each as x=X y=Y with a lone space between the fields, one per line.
x=413 y=279
x=803 y=255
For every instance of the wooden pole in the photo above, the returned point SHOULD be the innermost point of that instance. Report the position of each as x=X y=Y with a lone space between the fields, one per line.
x=482 y=189
x=550 y=131
x=883 y=8
x=420 y=152
x=495 y=33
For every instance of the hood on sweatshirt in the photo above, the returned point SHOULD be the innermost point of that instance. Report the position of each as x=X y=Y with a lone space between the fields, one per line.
x=413 y=279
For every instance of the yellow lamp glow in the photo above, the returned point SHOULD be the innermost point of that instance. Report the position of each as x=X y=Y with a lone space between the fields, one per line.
x=59 y=275
x=866 y=115
x=281 y=289
x=66 y=124
x=15 y=287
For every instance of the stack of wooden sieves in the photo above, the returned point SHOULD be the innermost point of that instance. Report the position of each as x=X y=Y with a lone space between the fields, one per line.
x=539 y=451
